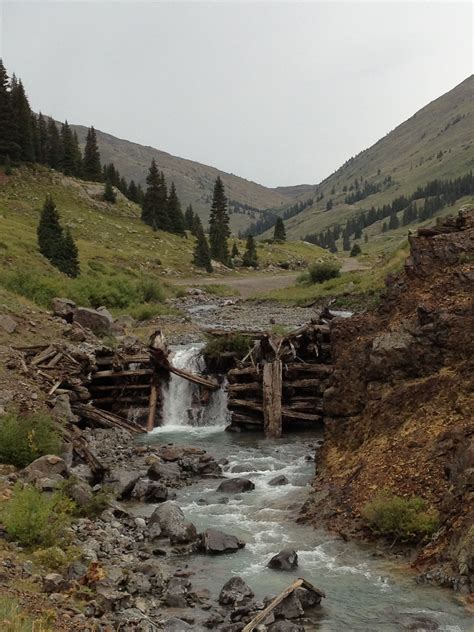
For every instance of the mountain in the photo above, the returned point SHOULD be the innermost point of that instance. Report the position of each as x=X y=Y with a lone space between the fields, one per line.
x=194 y=181
x=436 y=142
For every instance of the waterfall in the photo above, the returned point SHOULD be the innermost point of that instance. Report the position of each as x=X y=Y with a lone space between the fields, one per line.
x=182 y=404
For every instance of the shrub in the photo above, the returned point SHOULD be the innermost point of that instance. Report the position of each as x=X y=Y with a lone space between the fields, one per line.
x=24 y=438
x=35 y=519
x=14 y=618
x=235 y=344
x=405 y=519
x=36 y=287
x=355 y=250
x=320 y=272
x=151 y=291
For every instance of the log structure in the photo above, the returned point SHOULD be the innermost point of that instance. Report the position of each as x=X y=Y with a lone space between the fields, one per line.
x=282 y=380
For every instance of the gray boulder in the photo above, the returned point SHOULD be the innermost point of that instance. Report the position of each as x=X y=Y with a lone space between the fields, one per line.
x=285 y=626
x=81 y=493
x=159 y=471
x=54 y=583
x=215 y=542
x=64 y=308
x=170 y=518
x=150 y=491
x=235 y=591
x=289 y=608
x=49 y=466
x=122 y=482
x=92 y=319
x=62 y=409
x=307 y=598
x=8 y=324
x=236 y=486
x=285 y=560
x=278 y=480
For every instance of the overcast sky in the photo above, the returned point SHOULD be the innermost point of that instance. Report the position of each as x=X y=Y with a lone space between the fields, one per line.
x=279 y=93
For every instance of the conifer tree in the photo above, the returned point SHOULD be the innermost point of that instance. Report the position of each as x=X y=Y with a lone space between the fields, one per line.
x=53 y=149
x=355 y=250
x=22 y=115
x=250 y=258
x=279 y=233
x=77 y=155
x=92 y=169
x=155 y=207
x=68 y=256
x=69 y=156
x=393 y=222
x=175 y=213
x=8 y=145
x=132 y=192
x=346 y=244
x=109 y=194
x=201 y=257
x=197 y=224
x=219 y=225
x=235 y=250
x=42 y=155
x=189 y=218
x=49 y=232
x=122 y=186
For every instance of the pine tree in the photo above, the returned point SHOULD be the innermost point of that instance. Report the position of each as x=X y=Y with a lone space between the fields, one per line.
x=8 y=145
x=355 y=250
x=279 y=233
x=49 y=232
x=77 y=155
x=53 y=149
x=384 y=227
x=346 y=244
x=219 y=225
x=189 y=218
x=175 y=213
x=109 y=194
x=68 y=256
x=250 y=258
x=69 y=154
x=132 y=192
x=393 y=222
x=8 y=166
x=92 y=169
x=155 y=206
x=122 y=186
x=42 y=155
x=22 y=114
x=202 y=257
x=366 y=238
x=235 y=250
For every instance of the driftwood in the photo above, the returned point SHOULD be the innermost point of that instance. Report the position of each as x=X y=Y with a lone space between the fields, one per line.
x=263 y=614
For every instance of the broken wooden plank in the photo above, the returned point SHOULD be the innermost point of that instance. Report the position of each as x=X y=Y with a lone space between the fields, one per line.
x=126 y=373
x=271 y=391
x=119 y=387
x=49 y=352
x=105 y=418
x=263 y=614
x=288 y=413
x=208 y=382
x=245 y=386
x=152 y=408
x=244 y=419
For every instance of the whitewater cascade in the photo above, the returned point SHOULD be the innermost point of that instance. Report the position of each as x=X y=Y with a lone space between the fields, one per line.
x=181 y=399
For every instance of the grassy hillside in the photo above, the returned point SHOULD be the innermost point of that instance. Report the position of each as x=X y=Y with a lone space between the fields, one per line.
x=124 y=264
x=194 y=181
x=436 y=142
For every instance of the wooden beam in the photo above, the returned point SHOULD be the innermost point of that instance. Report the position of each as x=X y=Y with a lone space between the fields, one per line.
x=152 y=408
x=272 y=388
x=105 y=418
x=244 y=419
x=127 y=373
x=208 y=382
x=119 y=387
x=247 y=386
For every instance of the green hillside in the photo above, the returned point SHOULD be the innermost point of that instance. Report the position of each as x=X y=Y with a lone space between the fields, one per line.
x=194 y=181
x=123 y=262
x=436 y=142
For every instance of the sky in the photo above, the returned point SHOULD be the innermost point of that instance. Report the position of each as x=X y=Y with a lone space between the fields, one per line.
x=277 y=92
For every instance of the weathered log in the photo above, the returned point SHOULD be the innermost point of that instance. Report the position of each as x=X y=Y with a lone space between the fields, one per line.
x=288 y=413
x=152 y=408
x=47 y=353
x=123 y=400
x=272 y=388
x=246 y=386
x=238 y=418
x=111 y=360
x=318 y=369
x=245 y=403
x=105 y=418
x=208 y=382
x=303 y=383
x=119 y=387
x=126 y=373
x=263 y=614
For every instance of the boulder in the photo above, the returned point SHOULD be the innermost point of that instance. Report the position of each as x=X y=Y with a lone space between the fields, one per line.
x=105 y=312
x=285 y=626
x=285 y=560
x=215 y=542
x=83 y=472
x=235 y=591
x=176 y=591
x=159 y=471
x=289 y=608
x=54 y=583
x=122 y=482
x=48 y=466
x=61 y=410
x=307 y=598
x=170 y=518
x=236 y=486
x=150 y=491
x=8 y=324
x=278 y=480
x=81 y=493
x=92 y=319
x=64 y=308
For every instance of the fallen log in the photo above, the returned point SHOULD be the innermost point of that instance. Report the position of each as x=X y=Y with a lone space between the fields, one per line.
x=126 y=373
x=263 y=614
x=299 y=416
x=105 y=418
x=208 y=382
x=244 y=419
x=245 y=386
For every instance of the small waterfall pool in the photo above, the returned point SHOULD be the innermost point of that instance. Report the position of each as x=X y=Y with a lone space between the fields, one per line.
x=364 y=592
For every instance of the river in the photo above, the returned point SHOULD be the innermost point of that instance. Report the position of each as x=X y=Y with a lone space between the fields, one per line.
x=364 y=591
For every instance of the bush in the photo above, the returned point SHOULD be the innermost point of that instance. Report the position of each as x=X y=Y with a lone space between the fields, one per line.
x=35 y=519
x=151 y=291
x=236 y=344
x=36 y=287
x=405 y=519
x=24 y=438
x=320 y=272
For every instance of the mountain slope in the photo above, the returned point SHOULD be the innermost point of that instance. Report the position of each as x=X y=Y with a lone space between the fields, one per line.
x=194 y=181
x=436 y=142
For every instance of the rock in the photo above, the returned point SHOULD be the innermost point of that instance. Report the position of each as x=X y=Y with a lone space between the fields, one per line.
x=289 y=608
x=138 y=583
x=64 y=308
x=285 y=560
x=170 y=518
x=111 y=599
x=48 y=466
x=81 y=493
x=236 y=486
x=105 y=312
x=159 y=471
x=92 y=319
x=307 y=598
x=285 y=626
x=235 y=591
x=54 y=583
x=177 y=625
x=215 y=542
x=61 y=410
x=8 y=324
x=76 y=570
x=82 y=472
x=49 y=484
x=278 y=480
x=177 y=589
x=150 y=491
x=122 y=482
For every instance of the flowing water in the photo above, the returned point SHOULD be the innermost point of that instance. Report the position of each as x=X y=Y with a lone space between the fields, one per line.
x=364 y=592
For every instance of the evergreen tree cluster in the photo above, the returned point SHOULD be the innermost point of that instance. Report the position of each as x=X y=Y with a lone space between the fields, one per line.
x=219 y=230
x=360 y=193
x=55 y=243
x=161 y=209
x=279 y=234
x=270 y=217
x=436 y=194
x=250 y=258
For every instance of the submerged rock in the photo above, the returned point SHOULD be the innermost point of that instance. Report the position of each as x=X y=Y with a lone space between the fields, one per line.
x=285 y=560
x=235 y=591
x=214 y=541
x=278 y=480
x=236 y=486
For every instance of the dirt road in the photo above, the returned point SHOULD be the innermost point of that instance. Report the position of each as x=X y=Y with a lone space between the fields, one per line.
x=246 y=286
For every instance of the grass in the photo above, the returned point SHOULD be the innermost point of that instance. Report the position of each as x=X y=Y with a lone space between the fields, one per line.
x=13 y=618
x=24 y=438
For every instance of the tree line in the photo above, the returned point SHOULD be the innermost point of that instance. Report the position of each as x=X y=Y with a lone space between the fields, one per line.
x=270 y=218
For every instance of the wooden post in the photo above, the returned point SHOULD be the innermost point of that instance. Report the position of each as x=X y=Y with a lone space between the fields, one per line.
x=272 y=390
x=152 y=407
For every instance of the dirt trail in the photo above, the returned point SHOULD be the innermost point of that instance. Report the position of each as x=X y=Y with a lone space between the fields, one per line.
x=246 y=286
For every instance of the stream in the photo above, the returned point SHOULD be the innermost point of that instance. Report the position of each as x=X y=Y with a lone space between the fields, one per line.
x=363 y=591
